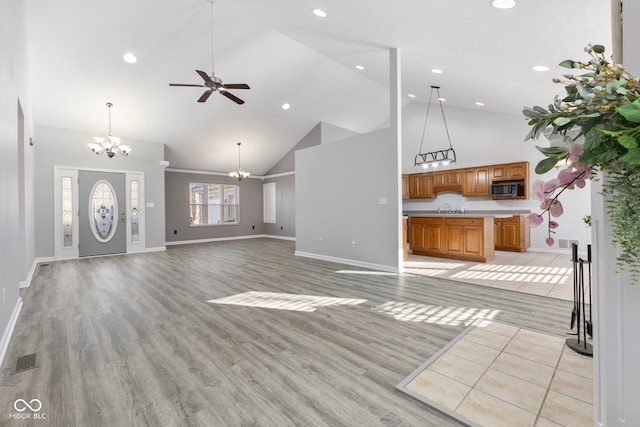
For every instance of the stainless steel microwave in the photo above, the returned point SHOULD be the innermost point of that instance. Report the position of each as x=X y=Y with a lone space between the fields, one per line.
x=507 y=189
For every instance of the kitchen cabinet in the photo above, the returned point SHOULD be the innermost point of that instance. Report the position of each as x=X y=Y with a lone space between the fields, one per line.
x=512 y=233
x=405 y=187
x=466 y=238
x=426 y=235
x=405 y=237
x=449 y=180
x=475 y=182
x=420 y=186
x=510 y=171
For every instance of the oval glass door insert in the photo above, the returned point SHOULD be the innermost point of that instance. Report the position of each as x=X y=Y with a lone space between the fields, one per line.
x=103 y=211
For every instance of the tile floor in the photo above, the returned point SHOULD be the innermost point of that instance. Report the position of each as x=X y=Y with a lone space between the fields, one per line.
x=538 y=273
x=496 y=374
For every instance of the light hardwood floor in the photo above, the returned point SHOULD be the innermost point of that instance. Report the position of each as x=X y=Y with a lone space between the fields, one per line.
x=133 y=341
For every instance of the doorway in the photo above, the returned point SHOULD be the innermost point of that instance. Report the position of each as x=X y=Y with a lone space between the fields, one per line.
x=101 y=213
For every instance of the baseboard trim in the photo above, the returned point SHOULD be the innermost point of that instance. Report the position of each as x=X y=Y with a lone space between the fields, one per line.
x=275 y=236
x=8 y=332
x=26 y=283
x=223 y=239
x=353 y=262
x=156 y=249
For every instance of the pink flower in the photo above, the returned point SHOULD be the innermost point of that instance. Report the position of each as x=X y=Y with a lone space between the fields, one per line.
x=546 y=203
x=550 y=241
x=534 y=219
x=565 y=176
x=556 y=209
x=580 y=183
x=537 y=189
x=553 y=224
x=551 y=185
x=575 y=152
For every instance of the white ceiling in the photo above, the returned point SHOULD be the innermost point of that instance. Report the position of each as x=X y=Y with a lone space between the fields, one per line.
x=287 y=54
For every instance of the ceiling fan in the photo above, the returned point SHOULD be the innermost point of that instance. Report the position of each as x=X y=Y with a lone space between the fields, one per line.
x=213 y=83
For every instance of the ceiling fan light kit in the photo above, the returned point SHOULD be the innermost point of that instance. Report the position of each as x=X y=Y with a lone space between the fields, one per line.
x=435 y=158
x=111 y=144
x=213 y=83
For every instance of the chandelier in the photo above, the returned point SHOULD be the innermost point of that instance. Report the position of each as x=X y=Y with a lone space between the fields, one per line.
x=110 y=144
x=435 y=158
x=239 y=174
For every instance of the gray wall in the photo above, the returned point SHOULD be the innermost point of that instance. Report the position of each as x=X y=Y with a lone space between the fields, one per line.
x=338 y=187
x=60 y=147
x=16 y=209
x=285 y=207
x=287 y=163
x=177 y=207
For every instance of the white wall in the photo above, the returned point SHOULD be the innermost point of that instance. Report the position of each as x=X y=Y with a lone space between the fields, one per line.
x=16 y=254
x=338 y=187
x=616 y=301
x=60 y=147
x=482 y=138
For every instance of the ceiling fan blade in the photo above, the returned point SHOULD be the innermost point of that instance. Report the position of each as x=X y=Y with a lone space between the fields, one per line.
x=232 y=97
x=236 y=86
x=205 y=76
x=181 y=84
x=205 y=96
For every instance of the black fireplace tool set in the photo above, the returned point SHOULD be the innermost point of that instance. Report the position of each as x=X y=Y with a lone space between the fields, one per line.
x=580 y=306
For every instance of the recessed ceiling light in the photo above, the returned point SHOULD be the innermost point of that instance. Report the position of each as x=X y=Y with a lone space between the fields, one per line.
x=503 y=4
x=130 y=58
x=411 y=95
x=436 y=70
x=319 y=12
x=480 y=104
x=540 y=68
x=359 y=67
x=286 y=106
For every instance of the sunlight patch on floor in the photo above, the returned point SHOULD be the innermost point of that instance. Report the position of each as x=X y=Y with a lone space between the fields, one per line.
x=280 y=301
x=438 y=314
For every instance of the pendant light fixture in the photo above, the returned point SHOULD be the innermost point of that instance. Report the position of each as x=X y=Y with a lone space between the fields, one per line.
x=110 y=144
x=436 y=158
x=239 y=174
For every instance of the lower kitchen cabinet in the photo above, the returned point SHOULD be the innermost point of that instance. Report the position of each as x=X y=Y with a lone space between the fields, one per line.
x=459 y=238
x=426 y=235
x=511 y=233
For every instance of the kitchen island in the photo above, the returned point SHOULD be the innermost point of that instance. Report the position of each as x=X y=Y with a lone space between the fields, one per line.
x=468 y=237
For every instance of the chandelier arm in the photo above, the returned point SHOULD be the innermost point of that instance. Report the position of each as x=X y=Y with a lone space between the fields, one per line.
x=444 y=120
x=424 y=129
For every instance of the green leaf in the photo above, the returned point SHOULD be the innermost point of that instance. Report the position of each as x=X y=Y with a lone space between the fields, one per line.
x=553 y=151
x=627 y=141
x=632 y=157
x=596 y=114
x=546 y=165
x=561 y=121
x=567 y=63
x=598 y=48
x=630 y=111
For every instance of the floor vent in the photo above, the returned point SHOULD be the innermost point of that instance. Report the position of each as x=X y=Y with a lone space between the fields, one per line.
x=26 y=362
x=46 y=264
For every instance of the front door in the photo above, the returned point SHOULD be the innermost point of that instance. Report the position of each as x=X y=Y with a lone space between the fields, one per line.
x=102 y=217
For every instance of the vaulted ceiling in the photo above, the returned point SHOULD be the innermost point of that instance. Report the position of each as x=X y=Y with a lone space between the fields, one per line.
x=287 y=55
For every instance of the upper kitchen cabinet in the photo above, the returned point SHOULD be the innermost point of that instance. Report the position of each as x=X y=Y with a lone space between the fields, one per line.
x=475 y=182
x=449 y=180
x=510 y=171
x=405 y=187
x=420 y=186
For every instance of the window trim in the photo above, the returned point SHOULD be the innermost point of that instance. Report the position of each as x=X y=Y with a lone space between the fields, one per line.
x=222 y=204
